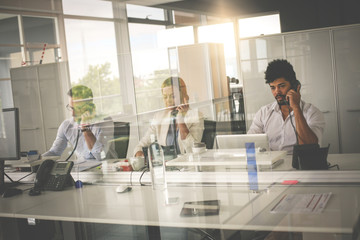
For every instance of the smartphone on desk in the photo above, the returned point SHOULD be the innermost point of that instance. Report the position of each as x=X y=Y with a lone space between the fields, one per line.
x=200 y=208
x=53 y=175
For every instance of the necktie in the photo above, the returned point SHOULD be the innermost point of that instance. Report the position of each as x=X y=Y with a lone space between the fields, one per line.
x=173 y=126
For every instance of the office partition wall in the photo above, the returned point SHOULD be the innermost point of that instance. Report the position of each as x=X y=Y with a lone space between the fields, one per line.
x=40 y=94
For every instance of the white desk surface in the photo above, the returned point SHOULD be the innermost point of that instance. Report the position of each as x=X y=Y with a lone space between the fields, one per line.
x=240 y=209
x=141 y=206
x=226 y=157
x=339 y=216
x=346 y=161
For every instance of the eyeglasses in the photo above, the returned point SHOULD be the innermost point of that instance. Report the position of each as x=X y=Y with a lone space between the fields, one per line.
x=70 y=108
x=168 y=96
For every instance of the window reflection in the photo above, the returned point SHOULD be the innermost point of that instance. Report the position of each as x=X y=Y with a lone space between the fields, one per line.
x=150 y=65
x=135 y=11
x=9 y=29
x=39 y=30
x=176 y=37
x=93 y=8
x=256 y=26
x=185 y=18
x=221 y=33
x=93 y=61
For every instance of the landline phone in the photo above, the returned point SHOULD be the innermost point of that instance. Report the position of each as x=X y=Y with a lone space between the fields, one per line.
x=294 y=86
x=52 y=175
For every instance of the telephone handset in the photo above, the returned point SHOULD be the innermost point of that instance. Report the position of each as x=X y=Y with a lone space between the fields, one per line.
x=294 y=86
x=52 y=175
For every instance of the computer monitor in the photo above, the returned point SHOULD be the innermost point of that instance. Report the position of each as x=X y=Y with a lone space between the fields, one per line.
x=9 y=138
x=239 y=140
x=9 y=134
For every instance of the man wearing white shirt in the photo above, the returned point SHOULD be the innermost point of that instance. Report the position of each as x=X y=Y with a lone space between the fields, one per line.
x=289 y=120
x=83 y=110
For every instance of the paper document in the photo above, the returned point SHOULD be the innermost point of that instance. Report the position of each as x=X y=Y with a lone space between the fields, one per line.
x=302 y=203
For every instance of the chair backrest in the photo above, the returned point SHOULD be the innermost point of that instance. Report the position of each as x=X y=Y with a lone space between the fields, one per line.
x=310 y=157
x=120 y=143
x=209 y=133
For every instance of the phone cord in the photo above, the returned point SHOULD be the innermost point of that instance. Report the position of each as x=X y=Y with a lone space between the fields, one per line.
x=292 y=124
x=76 y=143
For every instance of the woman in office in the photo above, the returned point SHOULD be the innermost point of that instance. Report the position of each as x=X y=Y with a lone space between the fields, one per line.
x=177 y=125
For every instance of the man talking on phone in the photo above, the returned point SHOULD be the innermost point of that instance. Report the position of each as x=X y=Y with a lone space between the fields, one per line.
x=79 y=128
x=289 y=120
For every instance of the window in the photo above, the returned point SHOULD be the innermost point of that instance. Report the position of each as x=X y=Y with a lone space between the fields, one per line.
x=183 y=18
x=221 y=33
x=176 y=37
x=93 y=61
x=93 y=8
x=135 y=11
x=39 y=34
x=39 y=30
x=150 y=65
x=9 y=29
x=255 y=26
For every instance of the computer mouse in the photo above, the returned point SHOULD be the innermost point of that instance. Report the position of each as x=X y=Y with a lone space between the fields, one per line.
x=11 y=192
x=123 y=189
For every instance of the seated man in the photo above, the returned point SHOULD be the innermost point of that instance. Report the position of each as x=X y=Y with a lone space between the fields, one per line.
x=82 y=107
x=288 y=120
x=177 y=125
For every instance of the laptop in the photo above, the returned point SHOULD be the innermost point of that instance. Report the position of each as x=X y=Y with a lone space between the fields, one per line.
x=238 y=141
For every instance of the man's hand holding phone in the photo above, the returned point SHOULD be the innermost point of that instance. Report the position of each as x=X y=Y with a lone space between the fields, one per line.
x=86 y=117
x=293 y=97
x=86 y=120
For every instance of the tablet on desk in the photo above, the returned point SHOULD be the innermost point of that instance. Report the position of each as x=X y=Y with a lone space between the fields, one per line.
x=200 y=208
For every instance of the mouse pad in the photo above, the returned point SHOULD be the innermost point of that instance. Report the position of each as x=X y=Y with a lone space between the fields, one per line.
x=200 y=208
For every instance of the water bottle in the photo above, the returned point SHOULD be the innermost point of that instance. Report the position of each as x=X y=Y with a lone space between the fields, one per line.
x=157 y=164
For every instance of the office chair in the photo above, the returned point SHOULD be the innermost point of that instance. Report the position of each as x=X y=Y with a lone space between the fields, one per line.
x=209 y=133
x=310 y=157
x=120 y=143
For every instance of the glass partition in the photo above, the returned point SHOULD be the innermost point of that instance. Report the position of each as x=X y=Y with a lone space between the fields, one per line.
x=195 y=83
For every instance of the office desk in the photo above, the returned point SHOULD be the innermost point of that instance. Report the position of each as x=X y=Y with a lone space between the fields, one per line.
x=228 y=158
x=346 y=161
x=141 y=206
x=240 y=209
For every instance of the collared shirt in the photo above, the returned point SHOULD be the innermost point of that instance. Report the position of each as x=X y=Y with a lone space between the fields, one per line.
x=160 y=124
x=67 y=132
x=280 y=132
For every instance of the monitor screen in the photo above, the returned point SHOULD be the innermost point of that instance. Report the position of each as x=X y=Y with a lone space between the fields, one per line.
x=9 y=134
